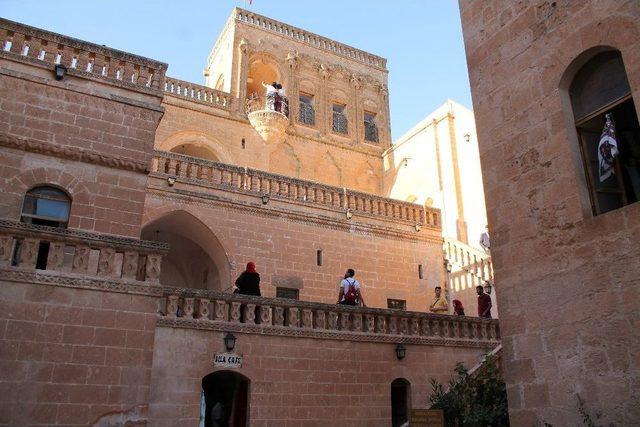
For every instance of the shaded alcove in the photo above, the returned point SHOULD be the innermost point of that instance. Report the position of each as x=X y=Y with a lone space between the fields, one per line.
x=400 y=401
x=225 y=400
x=196 y=258
x=195 y=150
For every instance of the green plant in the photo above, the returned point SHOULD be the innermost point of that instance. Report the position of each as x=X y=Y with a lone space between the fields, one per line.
x=478 y=400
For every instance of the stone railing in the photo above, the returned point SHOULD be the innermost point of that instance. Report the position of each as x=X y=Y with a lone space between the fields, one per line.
x=303 y=36
x=197 y=93
x=472 y=261
x=81 y=58
x=79 y=252
x=268 y=185
x=231 y=312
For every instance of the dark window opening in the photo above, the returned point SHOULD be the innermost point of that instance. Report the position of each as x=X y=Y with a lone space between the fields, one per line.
x=339 y=122
x=225 y=399
x=243 y=143
x=319 y=257
x=288 y=293
x=397 y=304
x=307 y=112
x=420 y=272
x=370 y=127
x=43 y=253
x=600 y=88
x=46 y=205
x=400 y=402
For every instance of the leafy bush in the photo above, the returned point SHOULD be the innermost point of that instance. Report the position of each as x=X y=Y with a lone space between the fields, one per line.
x=478 y=400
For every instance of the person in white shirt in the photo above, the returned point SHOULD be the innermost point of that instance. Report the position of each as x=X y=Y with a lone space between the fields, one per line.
x=485 y=242
x=350 y=290
x=271 y=89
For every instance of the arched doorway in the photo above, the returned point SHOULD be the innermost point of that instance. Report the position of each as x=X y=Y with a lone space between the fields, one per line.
x=196 y=150
x=400 y=401
x=196 y=258
x=225 y=400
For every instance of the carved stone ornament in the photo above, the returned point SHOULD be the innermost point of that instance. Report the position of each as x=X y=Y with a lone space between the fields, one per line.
x=270 y=125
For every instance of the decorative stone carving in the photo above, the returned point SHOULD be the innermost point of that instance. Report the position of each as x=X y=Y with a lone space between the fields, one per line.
x=80 y=262
x=235 y=311
x=321 y=320
x=404 y=326
x=381 y=326
x=370 y=323
x=203 y=309
x=425 y=327
x=189 y=307
x=435 y=328
x=106 y=261
x=270 y=125
x=265 y=315
x=357 y=322
x=332 y=323
x=294 y=320
x=172 y=305
x=415 y=327
x=445 y=329
x=307 y=318
x=154 y=262
x=278 y=316
x=344 y=322
x=55 y=257
x=250 y=313
x=130 y=265
x=28 y=252
x=6 y=249
x=393 y=325
x=221 y=311
x=243 y=45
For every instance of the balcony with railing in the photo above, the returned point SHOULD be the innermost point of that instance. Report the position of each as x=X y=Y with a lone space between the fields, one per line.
x=197 y=175
x=211 y=310
x=269 y=116
x=75 y=253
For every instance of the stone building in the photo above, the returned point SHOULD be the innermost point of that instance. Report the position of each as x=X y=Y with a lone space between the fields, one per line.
x=437 y=163
x=565 y=237
x=132 y=200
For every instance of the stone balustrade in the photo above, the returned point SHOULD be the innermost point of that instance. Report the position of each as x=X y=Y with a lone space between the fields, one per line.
x=264 y=184
x=31 y=247
x=315 y=40
x=46 y=48
x=213 y=310
x=474 y=262
x=197 y=93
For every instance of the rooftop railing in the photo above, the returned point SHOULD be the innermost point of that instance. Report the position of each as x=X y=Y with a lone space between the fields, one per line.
x=197 y=93
x=42 y=47
x=203 y=309
x=36 y=247
x=265 y=184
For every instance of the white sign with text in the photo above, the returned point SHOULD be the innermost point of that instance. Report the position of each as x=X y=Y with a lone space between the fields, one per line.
x=227 y=360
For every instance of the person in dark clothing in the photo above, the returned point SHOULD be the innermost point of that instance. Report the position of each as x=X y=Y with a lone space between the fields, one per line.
x=458 y=308
x=484 y=303
x=248 y=283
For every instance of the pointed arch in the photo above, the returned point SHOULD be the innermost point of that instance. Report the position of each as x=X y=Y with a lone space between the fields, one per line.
x=204 y=143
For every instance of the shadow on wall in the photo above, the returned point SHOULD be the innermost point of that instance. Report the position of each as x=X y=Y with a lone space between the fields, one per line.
x=196 y=257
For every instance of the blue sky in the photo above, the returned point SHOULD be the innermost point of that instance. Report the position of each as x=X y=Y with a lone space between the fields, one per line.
x=421 y=39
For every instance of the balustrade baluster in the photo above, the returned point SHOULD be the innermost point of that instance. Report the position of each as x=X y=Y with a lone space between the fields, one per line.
x=234 y=316
x=332 y=321
x=250 y=314
x=393 y=325
x=293 y=320
x=307 y=318
x=172 y=305
x=278 y=316
x=203 y=309
x=106 y=261
x=345 y=323
x=221 y=311
x=189 y=307
x=320 y=319
x=265 y=315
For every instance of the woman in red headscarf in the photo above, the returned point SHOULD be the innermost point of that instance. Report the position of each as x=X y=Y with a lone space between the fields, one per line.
x=248 y=283
x=458 y=308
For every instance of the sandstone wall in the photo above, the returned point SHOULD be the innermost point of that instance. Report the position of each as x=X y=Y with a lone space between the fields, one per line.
x=568 y=282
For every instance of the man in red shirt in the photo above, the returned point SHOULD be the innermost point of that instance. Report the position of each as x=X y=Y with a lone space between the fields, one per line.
x=484 y=303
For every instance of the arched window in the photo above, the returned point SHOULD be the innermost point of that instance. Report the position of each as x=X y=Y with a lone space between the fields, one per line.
x=600 y=91
x=46 y=205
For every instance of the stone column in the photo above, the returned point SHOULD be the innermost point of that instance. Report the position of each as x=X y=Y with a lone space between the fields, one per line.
x=240 y=86
x=323 y=109
x=357 y=123
x=292 y=87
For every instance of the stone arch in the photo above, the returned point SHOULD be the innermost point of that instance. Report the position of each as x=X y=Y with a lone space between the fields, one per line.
x=263 y=66
x=81 y=196
x=327 y=171
x=199 y=140
x=196 y=259
x=284 y=161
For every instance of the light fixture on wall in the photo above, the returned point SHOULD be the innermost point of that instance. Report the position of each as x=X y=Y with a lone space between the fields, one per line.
x=401 y=351
x=60 y=71
x=349 y=213
x=229 y=341
x=265 y=199
x=171 y=180
x=418 y=226
x=467 y=137
x=487 y=287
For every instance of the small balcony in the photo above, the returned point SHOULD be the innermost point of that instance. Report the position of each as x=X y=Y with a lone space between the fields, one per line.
x=269 y=116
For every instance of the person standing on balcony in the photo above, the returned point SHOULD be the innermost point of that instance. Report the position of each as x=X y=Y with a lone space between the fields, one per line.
x=248 y=283
x=458 y=309
x=350 y=290
x=439 y=304
x=485 y=242
x=484 y=303
x=271 y=95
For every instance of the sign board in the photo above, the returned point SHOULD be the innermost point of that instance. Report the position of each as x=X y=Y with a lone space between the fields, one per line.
x=427 y=418
x=227 y=360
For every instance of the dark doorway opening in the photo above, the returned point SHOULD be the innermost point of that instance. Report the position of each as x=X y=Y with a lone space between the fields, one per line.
x=400 y=402
x=226 y=399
